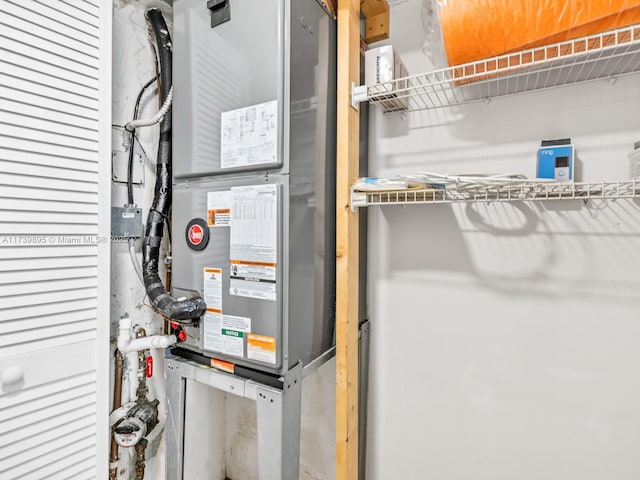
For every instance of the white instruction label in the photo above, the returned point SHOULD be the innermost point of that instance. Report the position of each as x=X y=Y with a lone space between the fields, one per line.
x=233 y=331
x=254 y=241
x=219 y=209
x=249 y=135
x=232 y=342
x=232 y=322
x=212 y=339
x=213 y=288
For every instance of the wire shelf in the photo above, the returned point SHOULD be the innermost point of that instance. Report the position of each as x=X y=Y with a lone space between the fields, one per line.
x=503 y=193
x=606 y=55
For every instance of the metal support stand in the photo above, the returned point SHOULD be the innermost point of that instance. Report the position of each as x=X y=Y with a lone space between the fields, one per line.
x=278 y=416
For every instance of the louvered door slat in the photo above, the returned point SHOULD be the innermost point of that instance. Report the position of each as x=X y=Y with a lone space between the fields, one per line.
x=44 y=27
x=45 y=251
x=44 y=466
x=67 y=430
x=48 y=206
x=51 y=42
x=60 y=138
x=32 y=192
x=63 y=163
x=88 y=8
x=31 y=10
x=13 y=179
x=43 y=321
x=48 y=125
x=39 y=113
x=69 y=382
x=44 y=298
x=49 y=309
x=37 y=170
x=25 y=279
x=9 y=291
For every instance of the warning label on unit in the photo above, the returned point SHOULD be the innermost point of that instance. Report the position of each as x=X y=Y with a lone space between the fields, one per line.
x=212 y=339
x=222 y=333
x=212 y=323
x=219 y=209
x=232 y=322
x=213 y=288
x=249 y=136
x=254 y=241
x=261 y=348
x=232 y=342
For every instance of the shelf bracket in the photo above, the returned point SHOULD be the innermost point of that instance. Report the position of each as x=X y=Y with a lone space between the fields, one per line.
x=358 y=199
x=359 y=94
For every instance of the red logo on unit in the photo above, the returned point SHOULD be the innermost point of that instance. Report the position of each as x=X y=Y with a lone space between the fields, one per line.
x=196 y=234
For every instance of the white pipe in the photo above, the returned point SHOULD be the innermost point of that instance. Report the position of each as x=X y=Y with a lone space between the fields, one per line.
x=126 y=344
x=132 y=125
x=134 y=260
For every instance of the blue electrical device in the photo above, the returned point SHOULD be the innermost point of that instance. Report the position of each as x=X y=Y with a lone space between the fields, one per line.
x=555 y=160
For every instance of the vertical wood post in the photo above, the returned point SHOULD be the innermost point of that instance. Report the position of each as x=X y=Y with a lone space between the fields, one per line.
x=347 y=224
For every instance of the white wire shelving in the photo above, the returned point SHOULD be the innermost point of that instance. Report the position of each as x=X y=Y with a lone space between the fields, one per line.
x=596 y=57
x=505 y=193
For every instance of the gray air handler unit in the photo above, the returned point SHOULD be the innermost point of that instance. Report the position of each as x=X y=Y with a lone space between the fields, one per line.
x=253 y=215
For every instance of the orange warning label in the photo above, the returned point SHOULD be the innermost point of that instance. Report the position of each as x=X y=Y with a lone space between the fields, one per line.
x=214 y=310
x=261 y=348
x=224 y=366
x=219 y=217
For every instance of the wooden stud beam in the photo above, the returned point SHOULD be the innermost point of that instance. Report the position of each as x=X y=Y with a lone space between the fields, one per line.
x=331 y=5
x=347 y=225
x=376 y=13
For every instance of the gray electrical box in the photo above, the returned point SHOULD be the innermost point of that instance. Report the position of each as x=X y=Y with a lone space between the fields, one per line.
x=254 y=180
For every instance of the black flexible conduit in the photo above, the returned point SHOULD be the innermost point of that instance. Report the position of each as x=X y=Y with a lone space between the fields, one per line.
x=132 y=141
x=184 y=310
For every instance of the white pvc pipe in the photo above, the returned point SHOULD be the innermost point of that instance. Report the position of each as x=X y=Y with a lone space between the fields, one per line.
x=126 y=344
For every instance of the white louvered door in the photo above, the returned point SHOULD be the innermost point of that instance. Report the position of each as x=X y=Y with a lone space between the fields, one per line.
x=55 y=115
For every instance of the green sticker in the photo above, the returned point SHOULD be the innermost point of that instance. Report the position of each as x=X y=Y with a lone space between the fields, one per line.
x=232 y=333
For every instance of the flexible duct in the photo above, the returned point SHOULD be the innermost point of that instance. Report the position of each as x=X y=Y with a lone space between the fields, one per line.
x=178 y=310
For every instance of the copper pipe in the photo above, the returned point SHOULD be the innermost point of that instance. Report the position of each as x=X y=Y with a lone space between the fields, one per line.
x=142 y=390
x=117 y=403
x=140 y=449
x=167 y=264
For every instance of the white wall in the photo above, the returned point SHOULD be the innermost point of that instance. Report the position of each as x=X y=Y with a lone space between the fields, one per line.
x=505 y=337
x=133 y=66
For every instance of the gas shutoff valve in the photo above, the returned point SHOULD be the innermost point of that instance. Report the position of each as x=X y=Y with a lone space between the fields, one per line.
x=140 y=420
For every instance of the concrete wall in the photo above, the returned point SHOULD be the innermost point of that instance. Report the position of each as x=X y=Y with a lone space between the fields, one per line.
x=505 y=337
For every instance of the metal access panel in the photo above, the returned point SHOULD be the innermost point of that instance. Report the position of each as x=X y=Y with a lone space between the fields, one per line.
x=269 y=304
x=219 y=72
x=238 y=84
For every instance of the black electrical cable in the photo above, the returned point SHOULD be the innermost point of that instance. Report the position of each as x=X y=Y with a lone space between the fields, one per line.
x=192 y=308
x=132 y=143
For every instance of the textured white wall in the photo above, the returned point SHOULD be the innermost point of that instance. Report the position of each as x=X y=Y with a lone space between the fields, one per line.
x=505 y=337
x=133 y=66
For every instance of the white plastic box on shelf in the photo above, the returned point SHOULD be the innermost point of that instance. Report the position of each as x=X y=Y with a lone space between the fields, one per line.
x=605 y=55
